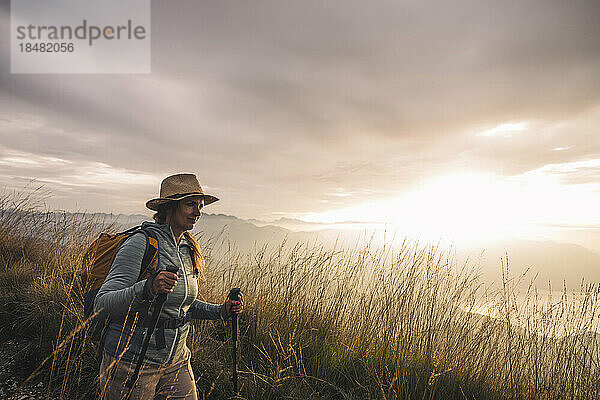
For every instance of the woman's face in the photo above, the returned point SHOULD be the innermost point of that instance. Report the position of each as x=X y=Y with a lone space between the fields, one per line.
x=186 y=214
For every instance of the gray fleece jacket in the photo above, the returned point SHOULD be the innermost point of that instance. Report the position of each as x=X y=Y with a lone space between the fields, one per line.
x=121 y=295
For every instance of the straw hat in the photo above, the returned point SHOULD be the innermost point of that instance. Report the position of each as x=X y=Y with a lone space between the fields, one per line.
x=177 y=187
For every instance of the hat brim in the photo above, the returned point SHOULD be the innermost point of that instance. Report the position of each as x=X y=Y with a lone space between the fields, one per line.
x=155 y=203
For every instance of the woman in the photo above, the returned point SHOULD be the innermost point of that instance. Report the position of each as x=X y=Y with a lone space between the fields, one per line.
x=167 y=372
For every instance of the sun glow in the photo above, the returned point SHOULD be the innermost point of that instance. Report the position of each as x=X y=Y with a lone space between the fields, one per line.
x=477 y=206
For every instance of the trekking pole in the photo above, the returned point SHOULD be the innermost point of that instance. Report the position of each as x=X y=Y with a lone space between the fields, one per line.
x=158 y=306
x=235 y=295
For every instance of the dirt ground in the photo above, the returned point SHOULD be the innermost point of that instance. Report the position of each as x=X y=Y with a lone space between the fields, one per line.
x=12 y=378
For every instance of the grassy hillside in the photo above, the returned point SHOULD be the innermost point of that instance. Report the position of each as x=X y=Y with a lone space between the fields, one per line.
x=366 y=323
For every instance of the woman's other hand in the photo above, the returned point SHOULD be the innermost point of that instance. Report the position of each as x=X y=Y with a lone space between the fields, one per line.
x=233 y=307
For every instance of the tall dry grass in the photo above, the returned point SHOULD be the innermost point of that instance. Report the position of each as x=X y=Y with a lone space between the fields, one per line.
x=380 y=323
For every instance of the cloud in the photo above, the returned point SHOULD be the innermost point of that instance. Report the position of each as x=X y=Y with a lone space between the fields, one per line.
x=577 y=172
x=273 y=103
x=80 y=184
x=506 y=129
x=572 y=139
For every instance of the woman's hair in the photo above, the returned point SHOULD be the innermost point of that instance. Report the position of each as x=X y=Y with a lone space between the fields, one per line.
x=163 y=211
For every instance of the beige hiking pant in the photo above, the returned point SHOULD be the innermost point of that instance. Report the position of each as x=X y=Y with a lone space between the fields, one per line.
x=174 y=382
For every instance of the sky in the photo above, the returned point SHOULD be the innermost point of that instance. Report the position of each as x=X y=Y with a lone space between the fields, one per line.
x=468 y=117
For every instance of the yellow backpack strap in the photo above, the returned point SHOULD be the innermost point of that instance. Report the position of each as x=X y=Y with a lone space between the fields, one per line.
x=197 y=258
x=149 y=264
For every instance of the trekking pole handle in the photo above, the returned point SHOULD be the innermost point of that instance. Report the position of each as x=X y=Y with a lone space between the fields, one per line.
x=173 y=268
x=235 y=294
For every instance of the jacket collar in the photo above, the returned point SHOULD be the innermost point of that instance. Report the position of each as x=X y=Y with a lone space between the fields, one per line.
x=166 y=230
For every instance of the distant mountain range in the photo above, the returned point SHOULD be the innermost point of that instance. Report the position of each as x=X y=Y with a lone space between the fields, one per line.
x=551 y=261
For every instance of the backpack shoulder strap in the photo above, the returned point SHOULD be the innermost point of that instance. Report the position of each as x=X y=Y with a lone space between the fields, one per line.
x=195 y=254
x=150 y=260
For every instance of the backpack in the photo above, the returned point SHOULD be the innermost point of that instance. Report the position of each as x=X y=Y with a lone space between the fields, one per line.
x=97 y=261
